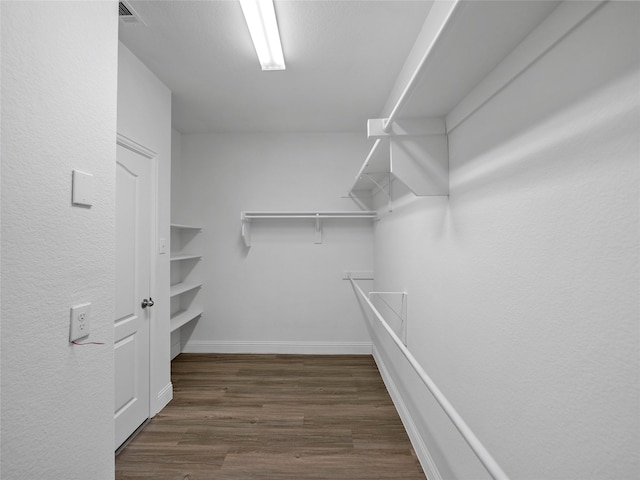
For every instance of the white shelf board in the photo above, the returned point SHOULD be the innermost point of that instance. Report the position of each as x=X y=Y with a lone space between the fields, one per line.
x=467 y=57
x=180 y=288
x=473 y=42
x=179 y=257
x=185 y=227
x=182 y=317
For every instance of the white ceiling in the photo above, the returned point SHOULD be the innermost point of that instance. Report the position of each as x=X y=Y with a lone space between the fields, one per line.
x=342 y=56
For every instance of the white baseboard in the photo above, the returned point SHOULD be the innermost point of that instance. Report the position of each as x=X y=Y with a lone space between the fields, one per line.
x=165 y=396
x=425 y=458
x=261 y=347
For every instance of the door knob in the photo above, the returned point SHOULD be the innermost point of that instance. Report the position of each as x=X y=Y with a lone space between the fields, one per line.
x=148 y=303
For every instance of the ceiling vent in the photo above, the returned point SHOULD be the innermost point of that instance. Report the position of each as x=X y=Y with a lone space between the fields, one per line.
x=128 y=15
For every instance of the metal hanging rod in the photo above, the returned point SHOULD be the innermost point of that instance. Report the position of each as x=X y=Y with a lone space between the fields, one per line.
x=311 y=215
x=478 y=448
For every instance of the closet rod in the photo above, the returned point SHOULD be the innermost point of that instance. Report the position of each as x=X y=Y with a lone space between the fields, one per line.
x=478 y=448
x=413 y=81
x=257 y=217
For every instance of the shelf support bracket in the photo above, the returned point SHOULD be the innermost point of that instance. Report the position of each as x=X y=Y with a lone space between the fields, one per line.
x=246 y=230
x=357 y=201
x=419 y=152
x=381 y=188
x=318 y=232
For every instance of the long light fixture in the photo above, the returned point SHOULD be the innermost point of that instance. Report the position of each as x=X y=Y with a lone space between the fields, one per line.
x=263 y=27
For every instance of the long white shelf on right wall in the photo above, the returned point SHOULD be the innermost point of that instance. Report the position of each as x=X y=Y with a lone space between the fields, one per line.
x=462 y=58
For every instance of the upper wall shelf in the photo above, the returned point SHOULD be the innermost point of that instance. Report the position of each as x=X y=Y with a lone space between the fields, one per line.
x=186 y=256
x=317 y=216
x=466 y=53
x=185 y=227
x=460 y=44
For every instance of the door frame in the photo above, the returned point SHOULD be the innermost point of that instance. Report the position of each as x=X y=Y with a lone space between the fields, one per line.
x=152 y=156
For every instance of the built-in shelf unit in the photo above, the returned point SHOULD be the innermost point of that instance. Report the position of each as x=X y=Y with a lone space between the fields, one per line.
x=184 y=289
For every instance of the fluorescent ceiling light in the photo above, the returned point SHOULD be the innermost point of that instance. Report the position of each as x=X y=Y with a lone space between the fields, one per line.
x=263 y=27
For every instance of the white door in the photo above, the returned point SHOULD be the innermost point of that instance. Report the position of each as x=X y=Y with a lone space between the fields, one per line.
x=133 y=253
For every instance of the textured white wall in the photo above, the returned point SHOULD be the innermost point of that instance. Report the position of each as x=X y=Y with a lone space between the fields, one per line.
x=524 y=285
x=144 y=115
x=59 y=64
x=176 y=175
x=285 y=293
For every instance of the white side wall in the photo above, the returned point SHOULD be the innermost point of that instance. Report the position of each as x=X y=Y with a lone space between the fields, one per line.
x=58 y=114
x=176 y=176
x=144 y=115
x=524 y=284
x=285 y=293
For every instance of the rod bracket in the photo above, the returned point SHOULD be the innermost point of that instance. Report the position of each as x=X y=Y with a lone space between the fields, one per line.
x=246 y=230
x=318 y=232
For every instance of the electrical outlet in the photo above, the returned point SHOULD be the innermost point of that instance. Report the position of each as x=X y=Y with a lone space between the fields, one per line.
x=80 y=316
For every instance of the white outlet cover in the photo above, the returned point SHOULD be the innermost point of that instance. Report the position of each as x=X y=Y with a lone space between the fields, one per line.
x=80 y=321
x=82 y=188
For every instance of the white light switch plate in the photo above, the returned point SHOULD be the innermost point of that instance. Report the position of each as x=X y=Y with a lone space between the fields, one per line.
x=82 y=188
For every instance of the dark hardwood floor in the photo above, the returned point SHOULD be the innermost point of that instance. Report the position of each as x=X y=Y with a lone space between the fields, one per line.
x=273 y=417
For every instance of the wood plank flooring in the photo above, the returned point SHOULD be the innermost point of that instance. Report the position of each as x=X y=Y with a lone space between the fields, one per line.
x=288 y=417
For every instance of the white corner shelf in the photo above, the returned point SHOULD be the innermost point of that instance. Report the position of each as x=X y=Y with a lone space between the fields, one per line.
x=317 y=216
x=182 y=317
